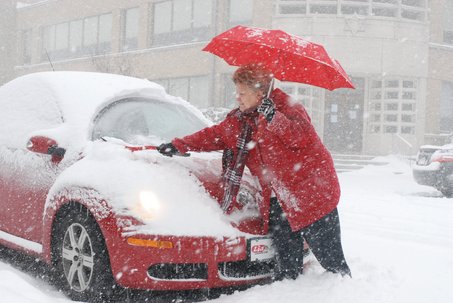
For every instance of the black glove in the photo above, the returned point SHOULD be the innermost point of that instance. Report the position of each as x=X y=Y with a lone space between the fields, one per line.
x=167 y=149
x=267 y=109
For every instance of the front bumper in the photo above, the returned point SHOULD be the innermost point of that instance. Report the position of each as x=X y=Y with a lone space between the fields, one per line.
x=427 y=175
x=435 y=174
x=191 y=263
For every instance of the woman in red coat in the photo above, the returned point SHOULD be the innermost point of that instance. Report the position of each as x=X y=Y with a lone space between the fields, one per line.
x=275 y=139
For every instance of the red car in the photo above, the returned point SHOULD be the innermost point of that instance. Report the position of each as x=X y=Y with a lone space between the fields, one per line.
x=106 y=218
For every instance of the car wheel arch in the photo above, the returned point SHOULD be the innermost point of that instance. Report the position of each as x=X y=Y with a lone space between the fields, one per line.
x=85 y=220
x=73 y=197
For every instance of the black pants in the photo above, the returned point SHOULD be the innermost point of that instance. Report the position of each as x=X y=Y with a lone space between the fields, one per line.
x=323 y=237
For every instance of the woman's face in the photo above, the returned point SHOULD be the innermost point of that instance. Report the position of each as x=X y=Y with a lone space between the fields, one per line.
x=247 y=98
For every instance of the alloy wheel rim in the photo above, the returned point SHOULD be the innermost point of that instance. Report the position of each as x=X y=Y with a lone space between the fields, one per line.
x=78 y=257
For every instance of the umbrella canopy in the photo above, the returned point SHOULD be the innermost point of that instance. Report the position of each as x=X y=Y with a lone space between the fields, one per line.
x=288 y=57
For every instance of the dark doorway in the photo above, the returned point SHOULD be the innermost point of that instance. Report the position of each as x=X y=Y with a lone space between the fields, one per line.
x=343 y=118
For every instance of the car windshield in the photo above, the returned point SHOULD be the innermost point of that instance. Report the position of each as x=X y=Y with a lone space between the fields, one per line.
x=145 y=121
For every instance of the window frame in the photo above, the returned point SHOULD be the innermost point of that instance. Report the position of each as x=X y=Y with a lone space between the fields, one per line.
x=394 y=111
x=129 y=43
x=246 y=21
x=173 y=37
x=311 y=97
x=168 y=84
x=82 y=46
x=397 y=9
x=27 y=47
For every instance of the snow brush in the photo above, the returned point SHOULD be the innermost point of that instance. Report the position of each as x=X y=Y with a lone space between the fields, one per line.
x=134 y=148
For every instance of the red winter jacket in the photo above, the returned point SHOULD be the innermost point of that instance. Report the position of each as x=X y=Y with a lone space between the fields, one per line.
x=286 y=155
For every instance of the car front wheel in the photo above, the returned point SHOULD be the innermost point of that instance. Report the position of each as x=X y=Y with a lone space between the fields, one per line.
x=446 y=186
x=447 y=192
x=80 y=257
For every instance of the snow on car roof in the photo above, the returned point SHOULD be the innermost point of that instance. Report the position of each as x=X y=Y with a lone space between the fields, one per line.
x=79 y=96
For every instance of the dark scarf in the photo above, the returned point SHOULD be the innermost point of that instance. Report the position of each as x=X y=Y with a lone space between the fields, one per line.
x=233 y=161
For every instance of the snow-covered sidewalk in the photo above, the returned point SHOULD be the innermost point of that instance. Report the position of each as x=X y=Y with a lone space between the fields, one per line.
x=397 y=237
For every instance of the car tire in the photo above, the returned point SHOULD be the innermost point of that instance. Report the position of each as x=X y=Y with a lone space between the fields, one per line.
x=81 y=263
x=446 y=187
x=447 y=192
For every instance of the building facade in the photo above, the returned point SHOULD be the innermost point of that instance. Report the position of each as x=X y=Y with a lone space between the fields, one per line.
x=7 y=40
x=399 y=54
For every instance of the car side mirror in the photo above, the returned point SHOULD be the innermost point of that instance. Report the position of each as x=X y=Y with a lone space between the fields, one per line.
x=48 y=146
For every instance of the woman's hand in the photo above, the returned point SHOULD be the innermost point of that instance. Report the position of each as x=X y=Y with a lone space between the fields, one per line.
x=167 y=149
x=267 y=109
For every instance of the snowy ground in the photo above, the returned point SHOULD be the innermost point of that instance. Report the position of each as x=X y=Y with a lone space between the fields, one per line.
x=397 y=237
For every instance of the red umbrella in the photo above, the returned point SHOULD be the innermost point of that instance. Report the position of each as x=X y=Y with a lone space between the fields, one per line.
x=288 y=57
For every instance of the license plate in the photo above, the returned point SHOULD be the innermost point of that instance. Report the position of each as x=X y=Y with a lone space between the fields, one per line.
x=423 y=161
x=261 y=249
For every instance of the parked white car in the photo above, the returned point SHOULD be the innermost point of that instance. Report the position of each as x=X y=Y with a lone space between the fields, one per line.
x=434 y=167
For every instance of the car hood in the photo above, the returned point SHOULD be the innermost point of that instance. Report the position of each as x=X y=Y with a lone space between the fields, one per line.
x=179 y=203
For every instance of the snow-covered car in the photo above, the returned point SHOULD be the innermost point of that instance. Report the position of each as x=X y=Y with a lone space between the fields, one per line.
x=105 y=218
x=434 y=167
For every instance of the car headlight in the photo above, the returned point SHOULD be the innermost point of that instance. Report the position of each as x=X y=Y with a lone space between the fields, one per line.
x=148 y=206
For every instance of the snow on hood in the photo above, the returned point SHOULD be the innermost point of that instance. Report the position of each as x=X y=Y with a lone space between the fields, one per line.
x=119 y=176
x=75 y=97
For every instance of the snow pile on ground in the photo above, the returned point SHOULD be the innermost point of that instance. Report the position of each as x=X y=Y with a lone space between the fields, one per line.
x=397 y=237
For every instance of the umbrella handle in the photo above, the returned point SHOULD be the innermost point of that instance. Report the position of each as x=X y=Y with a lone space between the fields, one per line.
x=134 y=148
x=270 y=88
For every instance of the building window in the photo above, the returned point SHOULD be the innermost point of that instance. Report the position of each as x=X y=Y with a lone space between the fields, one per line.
x=448 y=22
x=90 y=33
x=399 y=9
x=408 y=130
x=328 y=7
x=291 y=7
x=312 y=98
x=446 y=107
x=193 y=89
x=398 y=106
x=229 y=93
x=388 y=11
x=88 y=36
x=181 y=21
x=358 y=7
x=408 y=118
x=48 y=38
x=162 y=17
x=105 y=34
x=375 y=106
x=201 y=13
x=390 y=129
x=408 y=95
x=26 y=46
x=130 y=29
x=240 y=12
x=62 y=36
x=391 y=95
x=408 y=107
x=75 y=37
x=391 y=118
x=376 y=118
x=391 y=106
x=374 y=129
